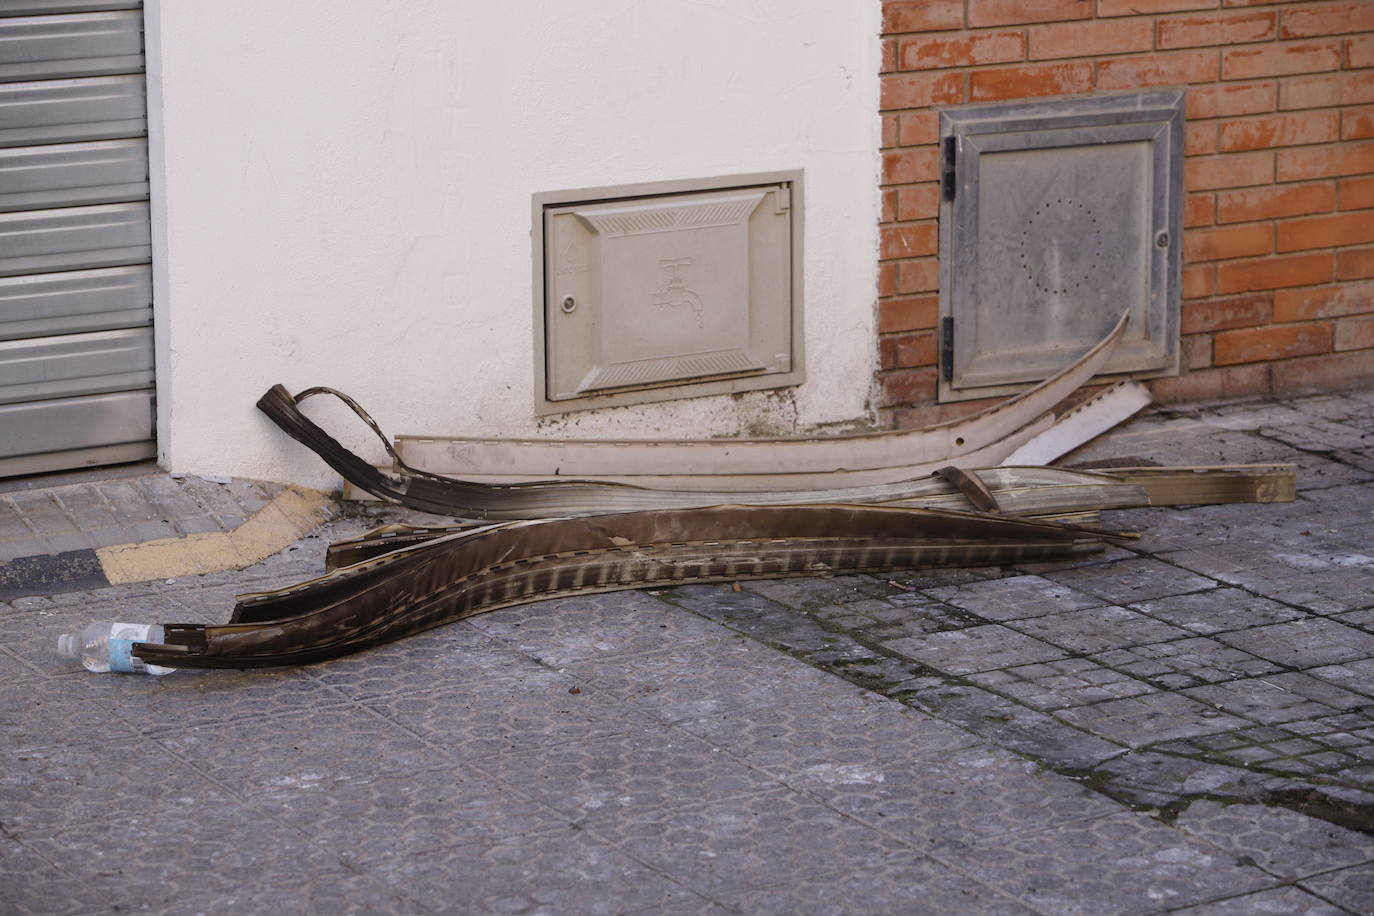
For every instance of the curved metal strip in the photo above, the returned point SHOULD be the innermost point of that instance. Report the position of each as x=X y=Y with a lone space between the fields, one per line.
x=470 y=572
x=953 y=441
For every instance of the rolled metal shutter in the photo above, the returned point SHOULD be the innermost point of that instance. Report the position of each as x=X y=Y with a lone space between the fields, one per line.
x=76 y=340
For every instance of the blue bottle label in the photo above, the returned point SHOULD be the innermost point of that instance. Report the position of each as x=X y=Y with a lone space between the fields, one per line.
x=121 y=654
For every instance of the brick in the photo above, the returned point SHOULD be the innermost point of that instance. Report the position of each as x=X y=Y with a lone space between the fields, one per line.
x=907 y=386
x=1355 y=333
x=1210 y=384
x=907 y=351
x=1145 y=7
x=1280 y=130
x=927 y=414
x=1030 y=81
x=1080 y=39
x=1199 y=139
x=1229 y=99
x=1157 y=70
x=887 y=278
x=935 y=52
x=922 y=15
x=1325 y=161
x=1241 y=241
x=890 y=127
x=1216 y=29
x=1227 y=314
x=907 y=165
x=919 y=201
x=1280 y=59
x=1252 y=345
x=1325 y=302
x=1272 y=203
x=889 y=205
x=1274 y=273
x=1328 y=19
x=1357 y=124
x=919 y=90
x=912 y=314
x=1326 y=231
x=1326 y=91
x=1199 y=281
x=1356 y=193
x=1199 y=209
x=917 y=276
x=983 y=13
x=917 y=128
x=1197 y=351
x=1323 y=373
x=909 y=241
x=1359 y=52
x=889 y=63
x=1355 y=264
x=1236 y=170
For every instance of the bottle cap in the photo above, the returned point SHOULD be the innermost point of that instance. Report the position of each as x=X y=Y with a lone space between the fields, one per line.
x=68 y=646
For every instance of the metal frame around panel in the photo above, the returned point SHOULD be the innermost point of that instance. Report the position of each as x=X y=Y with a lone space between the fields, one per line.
x=670 y=391
x=1063 y=123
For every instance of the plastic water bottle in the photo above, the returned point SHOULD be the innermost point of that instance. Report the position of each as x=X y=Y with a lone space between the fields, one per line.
x=107 y=646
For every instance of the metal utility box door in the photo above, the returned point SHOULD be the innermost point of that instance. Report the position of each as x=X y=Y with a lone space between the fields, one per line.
x=1056 y=218
x=671 y=292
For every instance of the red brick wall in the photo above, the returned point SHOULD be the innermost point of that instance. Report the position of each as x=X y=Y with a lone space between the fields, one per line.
x=1278 y=276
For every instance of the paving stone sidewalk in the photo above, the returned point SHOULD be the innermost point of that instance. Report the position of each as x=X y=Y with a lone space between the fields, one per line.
x=129 y=505
x=1185 y=724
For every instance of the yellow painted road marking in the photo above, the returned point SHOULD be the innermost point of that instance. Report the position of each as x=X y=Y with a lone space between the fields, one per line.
x=292 y=513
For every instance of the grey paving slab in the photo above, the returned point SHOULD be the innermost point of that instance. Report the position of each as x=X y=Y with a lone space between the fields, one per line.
x=32 y=884
x=170 y=862
x=611 y=777
x=1059 y=684
x=570 y=629
x=1014 y=597
x=1278 y=698
x=1185 y=662
x=1122 y=863
x=315 y=750
x=1129 y=581
x=1280 y=901
x=975 y=649
x=1142 y=720
x=1282 y=842
x=1356 y=676
x=562 y=871
x=894 y=884
x=722 y=847
x=1218 y=610
x=1097 y=629
x=956 y=800
x=1352 y=887
x=1307 y=643
x=411 y=814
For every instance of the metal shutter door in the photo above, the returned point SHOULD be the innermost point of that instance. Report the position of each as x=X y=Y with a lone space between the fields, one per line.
x=76 y=344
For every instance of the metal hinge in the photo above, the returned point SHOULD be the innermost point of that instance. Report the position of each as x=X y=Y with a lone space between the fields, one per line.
x=947 y=185
x=947 y=348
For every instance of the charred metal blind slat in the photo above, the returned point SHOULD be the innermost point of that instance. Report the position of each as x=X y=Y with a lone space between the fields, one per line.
x=76 y=353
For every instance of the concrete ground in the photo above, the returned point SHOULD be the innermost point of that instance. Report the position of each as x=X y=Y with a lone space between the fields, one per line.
x=1185 y=724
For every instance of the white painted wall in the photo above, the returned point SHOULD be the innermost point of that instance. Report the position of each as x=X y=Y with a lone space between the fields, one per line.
x=342 y=197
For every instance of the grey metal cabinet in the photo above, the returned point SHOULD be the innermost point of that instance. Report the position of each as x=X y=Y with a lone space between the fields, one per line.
x=1057 y=217
x=76 y=351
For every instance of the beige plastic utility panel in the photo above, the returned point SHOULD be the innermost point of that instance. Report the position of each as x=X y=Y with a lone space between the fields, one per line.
x=646 y=293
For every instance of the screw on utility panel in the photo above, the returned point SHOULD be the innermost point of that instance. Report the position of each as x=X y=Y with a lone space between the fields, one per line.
x=569 y=303
x=1162 y=240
